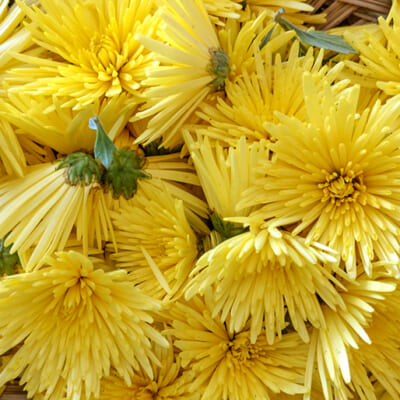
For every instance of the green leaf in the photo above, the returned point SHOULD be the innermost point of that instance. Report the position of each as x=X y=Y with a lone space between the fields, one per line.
x=103 y=147
x=319 y=39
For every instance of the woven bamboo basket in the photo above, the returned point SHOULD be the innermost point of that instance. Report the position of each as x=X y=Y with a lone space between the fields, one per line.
x=350 y=12
x=338 y=13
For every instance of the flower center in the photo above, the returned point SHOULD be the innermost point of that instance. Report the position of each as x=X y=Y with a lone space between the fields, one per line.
x=242 y=353
x=107 y=60
x=342 y=187
x=148 y=392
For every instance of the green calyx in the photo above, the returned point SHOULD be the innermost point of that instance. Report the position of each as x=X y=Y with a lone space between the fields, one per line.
x=123 y=173
x=8 y=261
x=155 y=149
x=82 y=168
x=219 y=67
x=225 y=229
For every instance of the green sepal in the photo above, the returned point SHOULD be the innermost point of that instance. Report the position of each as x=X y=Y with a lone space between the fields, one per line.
x=81 y=168
x=318 y=39
x=266 y=38
x=8 y=261
x=219 y=67
x=124 y=172
x=154 y=149
x=104 y=146
x=225 y=229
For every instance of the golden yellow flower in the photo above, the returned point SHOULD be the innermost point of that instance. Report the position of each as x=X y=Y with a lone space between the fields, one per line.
x=378 y=64
x=155 y=241
x=44 y=120
x=35 y=153
x=254 y=98
x=266 y=276
x=297 y=11
x=42 y=208
x=221 y=11
x=335 y=178
x=170 y=382
x=231 y=366
x=188 y=46
x=74 y=323
x=194 y=63
x=92 y=52
x=345 y=346
x=13 y=36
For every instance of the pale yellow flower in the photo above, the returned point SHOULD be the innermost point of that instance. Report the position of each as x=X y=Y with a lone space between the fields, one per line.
x=225 y=173
x=170 y=382
x=266 y=276
x=155 y=242
x=44 y=120
x=334 y=178
x=92 y=53
x=254 y=98
x=35 y=153
x=379 y=51
x=42 y=208
x=11 y=154
x=221 y=11
x=173 y=173
x=74 y=322
x=297 y=11
x=231 y=366
x=194 y=64
x=345 y=346
x=14 y=37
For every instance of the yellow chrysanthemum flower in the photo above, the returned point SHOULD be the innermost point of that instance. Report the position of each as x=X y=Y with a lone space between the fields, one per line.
x=254 y=98
x=11 y=154
x=263 y=276
x=35 y=153
x=378 y=361
x=42 y=208
x=74 y=323
x=190 y=45
x=169 y=382
x=194 y=64
x=221 y=11
x=155 y=242
x=334 y=346
x=231 y=366
x=44 y=120
x=379 y=51
x=297 y=11
x=334 y=178
x=13 y=36
x=92 y=53
x=225 y=174
x=174 y=174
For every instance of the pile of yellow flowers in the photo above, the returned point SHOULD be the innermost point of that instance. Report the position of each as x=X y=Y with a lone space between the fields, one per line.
x=199 y=200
